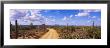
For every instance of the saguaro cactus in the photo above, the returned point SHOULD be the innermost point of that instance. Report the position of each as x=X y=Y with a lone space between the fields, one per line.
x=31 y=25
x=10 y=29
x=93 y=24
x=16 y=28
x=93 y=30
x=10 y=26
x=43 y=26
x=67 y=27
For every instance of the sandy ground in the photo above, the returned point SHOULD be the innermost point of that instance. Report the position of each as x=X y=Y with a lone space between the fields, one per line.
x=51 y=34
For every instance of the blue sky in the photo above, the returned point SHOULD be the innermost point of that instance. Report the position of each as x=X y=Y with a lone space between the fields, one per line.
x=52 y=17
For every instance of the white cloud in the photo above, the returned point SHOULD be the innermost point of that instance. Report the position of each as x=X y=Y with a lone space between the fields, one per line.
x=35 y=16
x=93 y=17
x=89 y=17
x=87 y=12
x=71 y=16
x=82 y=14
x=92 y=10
x=46 y=11
x=65 y=18
x=49 y=20
x=53 y=20
x=89 y=21
x=51 y=17
x=46 y=19
x=27 y=15
x=17 y=14
x=97 y=10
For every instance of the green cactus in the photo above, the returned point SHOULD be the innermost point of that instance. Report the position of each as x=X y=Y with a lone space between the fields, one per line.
x=10 y=26
x=16 y=29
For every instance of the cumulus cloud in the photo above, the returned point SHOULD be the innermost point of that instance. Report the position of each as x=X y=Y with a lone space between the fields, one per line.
x=45 y=11
x=92 y=10
x=89 y=21
x=27 y=15
x=65 y=18
x=49 y=20
x=87 y=12
x=53 y=20
x=93 y=17
x=71 y=16
x=17 y=14
x=82 y=14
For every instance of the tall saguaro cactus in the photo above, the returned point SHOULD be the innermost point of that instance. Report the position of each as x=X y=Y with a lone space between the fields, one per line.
x=31 y=25
x=43 y=26
x=10 y=26
x=16 y=28
x=67 y=27
x=93 y=24
x=10 y=29
x=93 y=30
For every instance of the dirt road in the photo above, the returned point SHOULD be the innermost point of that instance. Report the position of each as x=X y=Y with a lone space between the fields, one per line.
x=51 y=34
